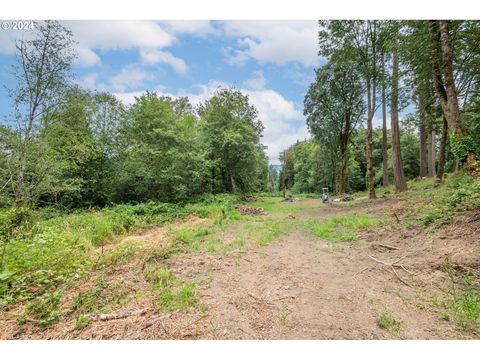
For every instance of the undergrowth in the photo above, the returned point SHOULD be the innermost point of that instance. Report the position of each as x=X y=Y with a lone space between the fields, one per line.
x=42 y=250
x=341 y=228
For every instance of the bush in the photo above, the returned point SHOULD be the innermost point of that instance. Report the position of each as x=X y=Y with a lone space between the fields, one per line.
x=45 y=310
x=14 y=220
x=44 y=250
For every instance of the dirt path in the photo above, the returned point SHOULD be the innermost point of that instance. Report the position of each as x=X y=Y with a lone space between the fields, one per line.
x=300 y=287
x=303 y=288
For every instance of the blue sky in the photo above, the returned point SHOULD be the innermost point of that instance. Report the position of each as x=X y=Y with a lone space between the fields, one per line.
x=271 y=61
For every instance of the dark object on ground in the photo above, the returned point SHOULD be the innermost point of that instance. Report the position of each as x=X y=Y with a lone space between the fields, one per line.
x=292 y=199
x=248 y=210
x=346 y=197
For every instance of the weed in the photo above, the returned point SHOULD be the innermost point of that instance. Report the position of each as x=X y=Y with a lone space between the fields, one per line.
x=172 y=293
x=465 y=303
x=82 y=322
x=45 y=310
x=162 y=277
x=282 y=318
x=341 y=228
x=101 y=298
x=387 y=321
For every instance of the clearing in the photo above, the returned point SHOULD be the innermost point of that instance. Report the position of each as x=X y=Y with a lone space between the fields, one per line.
x=302 y=270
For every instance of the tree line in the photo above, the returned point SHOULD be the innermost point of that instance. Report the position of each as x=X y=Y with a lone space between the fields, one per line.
x=74 y=148
x=431 y=68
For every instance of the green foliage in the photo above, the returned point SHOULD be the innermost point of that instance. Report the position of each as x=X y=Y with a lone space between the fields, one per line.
x=462 y=301
x=41 y=253
x=230 y=133
x=341 y=228
x=459 y=193
x=82 y=322
x=45 y=310
x=461 y=145
x=15 y=220
x=389 y=322
x=172 y=293
x=167 y=163
x=99 y=299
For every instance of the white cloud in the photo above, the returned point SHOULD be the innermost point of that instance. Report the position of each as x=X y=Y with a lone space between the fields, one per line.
x=256 y=82
x=89 y=82
x=283 y=120
x=154 y=56
x=120 y=35
x=277 y=42
x=191 y=27
x=87 y=57
x=130 y=76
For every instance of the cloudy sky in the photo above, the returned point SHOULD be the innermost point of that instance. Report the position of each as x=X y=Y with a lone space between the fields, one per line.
x=271 y=61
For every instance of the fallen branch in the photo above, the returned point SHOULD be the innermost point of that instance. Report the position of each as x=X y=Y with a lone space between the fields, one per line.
x=399 y=278
x=390 y=247
x=115 y=316
x=358 y=272
x=396 y=217
x=407 y=271
x=392 y=266
x=395 y=263
x=283 y=298
x=189 y=324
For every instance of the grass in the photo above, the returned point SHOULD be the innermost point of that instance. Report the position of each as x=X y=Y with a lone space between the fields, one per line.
x=464 y=302
x=45 y=310
x=44 y=249
x=102 y=298
x=277 y=205
x=172 y=293
x=282 y=318
x=389 y=322
x=81 y=322
x=461 y=303
x=341 y=228
x=436 y=207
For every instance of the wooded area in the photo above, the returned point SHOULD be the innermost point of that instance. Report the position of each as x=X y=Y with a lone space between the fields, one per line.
x=80 y=170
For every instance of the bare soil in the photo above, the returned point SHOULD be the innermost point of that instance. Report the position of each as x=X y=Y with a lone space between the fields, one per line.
x=299 y=287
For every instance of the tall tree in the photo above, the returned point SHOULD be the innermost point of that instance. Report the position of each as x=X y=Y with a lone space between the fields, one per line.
x=42 y=73
x=384 y=126
x=334 y=108
x=398 y=174
x=358 y=41
x=231 y=133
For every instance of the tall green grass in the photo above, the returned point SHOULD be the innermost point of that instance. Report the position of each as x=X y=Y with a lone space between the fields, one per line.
x=38 y=252
x=341 y=228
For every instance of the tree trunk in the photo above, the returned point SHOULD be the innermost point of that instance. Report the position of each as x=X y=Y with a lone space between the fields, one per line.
x=431 y=154
x=369 y=145
x=423 y=137
x=443 y=147
x=334 y=172
x=384 y=127
x=455 y=120
x=437 y=76
x=344 y=137
x=398 y=174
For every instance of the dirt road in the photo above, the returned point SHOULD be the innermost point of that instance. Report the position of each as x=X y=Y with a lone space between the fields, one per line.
x=298 y=287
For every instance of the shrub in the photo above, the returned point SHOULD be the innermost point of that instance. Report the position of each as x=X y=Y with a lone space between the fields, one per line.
x=45 y=310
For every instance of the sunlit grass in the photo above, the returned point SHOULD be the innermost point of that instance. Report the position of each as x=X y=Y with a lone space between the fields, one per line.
x=341 y=228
